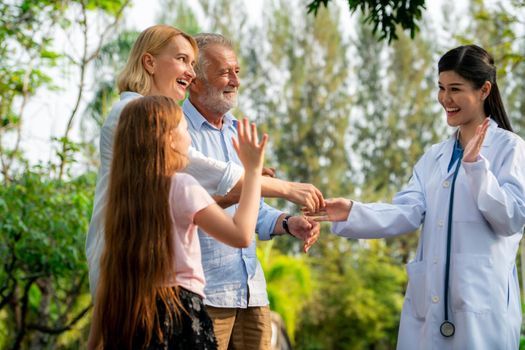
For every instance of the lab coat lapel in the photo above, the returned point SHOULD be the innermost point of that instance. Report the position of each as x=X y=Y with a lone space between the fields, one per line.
x=443 y=157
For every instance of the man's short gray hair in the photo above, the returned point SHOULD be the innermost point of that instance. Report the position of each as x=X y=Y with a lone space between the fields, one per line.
x=204 y=40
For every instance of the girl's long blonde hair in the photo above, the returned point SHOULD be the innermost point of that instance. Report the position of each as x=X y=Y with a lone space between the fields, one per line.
x=138 y=257
x=152 y=40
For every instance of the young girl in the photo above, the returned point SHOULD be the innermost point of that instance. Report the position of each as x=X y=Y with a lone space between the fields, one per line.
x=469 y=194
x=151 y=283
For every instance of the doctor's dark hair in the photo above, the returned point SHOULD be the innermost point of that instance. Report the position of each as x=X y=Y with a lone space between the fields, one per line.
x=476 y=65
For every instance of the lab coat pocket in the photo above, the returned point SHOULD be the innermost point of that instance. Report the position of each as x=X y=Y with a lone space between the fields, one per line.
x=472 y=280
x=417 y=288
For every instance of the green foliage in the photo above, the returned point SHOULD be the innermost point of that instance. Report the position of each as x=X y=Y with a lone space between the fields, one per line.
x=27 y=32
x=358 y=298
x=178 y=14
x=384 y=16
x=43 y=279
x=306 y=107
x=110 y=61
x=396 y=121
x=289 y=283
x=498 y=29
x=43 y=270
x=322 y=107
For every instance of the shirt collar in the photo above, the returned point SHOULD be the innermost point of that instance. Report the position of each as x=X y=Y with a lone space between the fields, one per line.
x=197 y=120
x=124 y=95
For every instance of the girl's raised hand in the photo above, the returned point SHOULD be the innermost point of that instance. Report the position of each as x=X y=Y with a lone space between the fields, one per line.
x=248 y=147
x=473 y=147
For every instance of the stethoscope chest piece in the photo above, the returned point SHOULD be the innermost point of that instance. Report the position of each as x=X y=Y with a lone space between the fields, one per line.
x=447 y=329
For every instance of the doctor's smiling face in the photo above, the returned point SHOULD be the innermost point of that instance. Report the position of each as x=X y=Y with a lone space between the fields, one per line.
x=463 y=103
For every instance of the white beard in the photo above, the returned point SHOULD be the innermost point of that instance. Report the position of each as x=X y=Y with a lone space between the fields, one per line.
x=215 y=101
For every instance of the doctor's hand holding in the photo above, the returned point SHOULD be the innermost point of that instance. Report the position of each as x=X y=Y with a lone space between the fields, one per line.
x=335 y=209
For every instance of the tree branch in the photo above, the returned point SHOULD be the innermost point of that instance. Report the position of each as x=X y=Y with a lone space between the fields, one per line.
x=86 y=59
x=59 y=329
x=23 y=313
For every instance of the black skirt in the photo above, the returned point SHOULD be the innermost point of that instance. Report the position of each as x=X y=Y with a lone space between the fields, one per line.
x=194 y=330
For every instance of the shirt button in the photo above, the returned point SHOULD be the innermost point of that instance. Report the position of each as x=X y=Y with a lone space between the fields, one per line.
x=440 y=223
x=435 y=299
x=446 y=184
x=435 y=260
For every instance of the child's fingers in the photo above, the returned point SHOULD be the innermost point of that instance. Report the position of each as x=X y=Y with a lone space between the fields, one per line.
x=264 y=140
x=255 y=138
x=236 y=145
x=247 y=133
x=240 y=130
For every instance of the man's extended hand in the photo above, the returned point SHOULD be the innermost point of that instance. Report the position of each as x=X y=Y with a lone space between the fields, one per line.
x=304 y=229
x=305 y=194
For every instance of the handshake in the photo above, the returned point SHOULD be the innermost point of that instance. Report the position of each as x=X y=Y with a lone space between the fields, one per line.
x=314 y=209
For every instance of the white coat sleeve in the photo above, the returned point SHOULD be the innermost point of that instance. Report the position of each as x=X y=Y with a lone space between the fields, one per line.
x=217 y=177
x=500 y=197
x=380 y=220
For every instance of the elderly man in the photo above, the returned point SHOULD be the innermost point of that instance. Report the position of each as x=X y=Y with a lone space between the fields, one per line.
x=235 y=289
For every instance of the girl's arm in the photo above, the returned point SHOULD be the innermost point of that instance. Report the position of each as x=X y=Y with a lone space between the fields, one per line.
x=238 y=231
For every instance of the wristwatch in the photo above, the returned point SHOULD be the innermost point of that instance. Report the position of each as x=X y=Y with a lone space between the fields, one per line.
x=285 y=224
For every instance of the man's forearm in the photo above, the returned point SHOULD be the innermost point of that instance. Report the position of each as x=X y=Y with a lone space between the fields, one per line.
x=299 y=193
x=272 y=187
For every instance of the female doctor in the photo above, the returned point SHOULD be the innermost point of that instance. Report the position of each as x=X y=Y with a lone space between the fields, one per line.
x=468 y=192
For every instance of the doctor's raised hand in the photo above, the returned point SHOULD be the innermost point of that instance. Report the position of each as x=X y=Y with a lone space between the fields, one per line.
x=473 y=147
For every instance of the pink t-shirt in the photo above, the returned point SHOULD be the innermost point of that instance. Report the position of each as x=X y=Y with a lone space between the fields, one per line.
x=187 y=197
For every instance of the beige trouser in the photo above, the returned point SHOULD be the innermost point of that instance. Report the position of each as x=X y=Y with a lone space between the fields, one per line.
x=242 y=329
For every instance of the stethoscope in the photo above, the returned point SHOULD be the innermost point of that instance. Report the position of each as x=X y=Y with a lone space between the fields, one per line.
x=447 y=328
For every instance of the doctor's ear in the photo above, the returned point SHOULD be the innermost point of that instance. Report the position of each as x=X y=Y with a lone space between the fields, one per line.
x=485 y=90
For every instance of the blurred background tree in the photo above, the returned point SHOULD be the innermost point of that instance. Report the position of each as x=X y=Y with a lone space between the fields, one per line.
x=45 y=209
x=350 y=105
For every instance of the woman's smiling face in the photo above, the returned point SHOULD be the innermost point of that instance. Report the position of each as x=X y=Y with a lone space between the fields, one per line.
x=173 y=68
x=463 y=103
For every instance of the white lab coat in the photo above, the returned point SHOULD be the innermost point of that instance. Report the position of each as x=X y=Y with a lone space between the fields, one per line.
x=488 y=219
x=216 y=177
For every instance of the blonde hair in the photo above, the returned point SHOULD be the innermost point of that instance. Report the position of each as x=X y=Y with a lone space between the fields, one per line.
x=153 y=40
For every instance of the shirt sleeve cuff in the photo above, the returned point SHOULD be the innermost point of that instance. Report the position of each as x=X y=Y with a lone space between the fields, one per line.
x=217 y=177
x=339 y=227
x=232 y=174
x=266 y=221
x=479 y=165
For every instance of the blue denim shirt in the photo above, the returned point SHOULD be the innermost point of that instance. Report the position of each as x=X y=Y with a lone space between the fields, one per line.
x=231 y=273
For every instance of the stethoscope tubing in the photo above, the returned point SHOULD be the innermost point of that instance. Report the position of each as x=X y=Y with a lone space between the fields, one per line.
x=447 y=328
